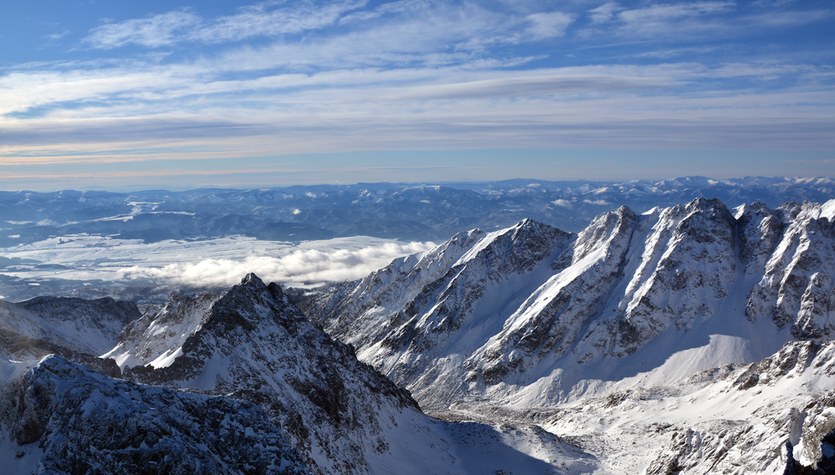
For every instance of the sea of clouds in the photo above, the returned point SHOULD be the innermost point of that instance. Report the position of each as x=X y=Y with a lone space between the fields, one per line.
x=297 y=267
x=211 y=262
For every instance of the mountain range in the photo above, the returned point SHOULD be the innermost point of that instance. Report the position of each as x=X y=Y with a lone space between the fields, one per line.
x=637 y=311
x=388 y=210
x=235 y=382
x=692 y=338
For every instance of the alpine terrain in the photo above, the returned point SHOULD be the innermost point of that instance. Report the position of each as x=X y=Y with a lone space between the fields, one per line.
x=238 y=382
x=687 y=339
x=693 y=338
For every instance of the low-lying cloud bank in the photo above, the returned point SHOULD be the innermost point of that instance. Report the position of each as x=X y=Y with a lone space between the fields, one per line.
x=299 y=266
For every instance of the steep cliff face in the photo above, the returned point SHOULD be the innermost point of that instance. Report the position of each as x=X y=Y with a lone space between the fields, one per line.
x=550 y=322
x=154 y=338
x=795 y=288
x=498 y=322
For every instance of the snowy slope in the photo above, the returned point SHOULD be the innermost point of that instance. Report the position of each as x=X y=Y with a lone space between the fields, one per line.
x=157 y=338
x=252 y=343
x=87 y=326
x=673 y=275
x=74 y=328
x=632 y=303
x=730 y=419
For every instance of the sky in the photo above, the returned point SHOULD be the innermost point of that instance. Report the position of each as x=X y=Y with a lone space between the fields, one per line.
x=171 y=94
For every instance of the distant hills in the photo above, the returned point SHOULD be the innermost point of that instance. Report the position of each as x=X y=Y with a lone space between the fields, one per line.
x=388 y=210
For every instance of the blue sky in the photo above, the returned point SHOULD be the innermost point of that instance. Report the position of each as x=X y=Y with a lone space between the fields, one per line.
x=115 y=94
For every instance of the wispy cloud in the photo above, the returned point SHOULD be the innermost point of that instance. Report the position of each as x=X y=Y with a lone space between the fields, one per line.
x=604 y=13
x=368 y=109
x=694 y=21
x=655 y=21
x=261 y=19
x=278 y=78
x=548 y=25
x=273 y=19
x=158 y=30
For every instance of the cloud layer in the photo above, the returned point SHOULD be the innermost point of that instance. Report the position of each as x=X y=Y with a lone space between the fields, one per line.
x=301 y=267
x=221 y=262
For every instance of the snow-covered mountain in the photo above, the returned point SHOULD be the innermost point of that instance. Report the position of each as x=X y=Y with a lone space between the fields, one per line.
x=693 y=338
x=90 y=326
x=242 y=382
x=729 y=419
x=528 y=321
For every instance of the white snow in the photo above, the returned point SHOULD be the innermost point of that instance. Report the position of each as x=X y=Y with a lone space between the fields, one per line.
x=550 y=289
x=166 y=359
x=161 y=343
x=827 y=210
x=18 y=459
x=627 y=432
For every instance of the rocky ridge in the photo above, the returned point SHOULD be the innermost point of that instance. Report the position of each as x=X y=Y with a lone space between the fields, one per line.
x=631 y=302
x=242 y=382
x=65 y=418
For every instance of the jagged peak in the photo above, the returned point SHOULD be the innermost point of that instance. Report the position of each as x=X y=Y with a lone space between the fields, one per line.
x=244 y=299
x=529 y=225
x=250 y=289
x=604 y=229
x=461 y=238
x=526 y=222
x=527 y=233
x=625 y=211
x=693 y=212
x=608 y=219
x=707 y=204
x=747 y=211
x=253 y=281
